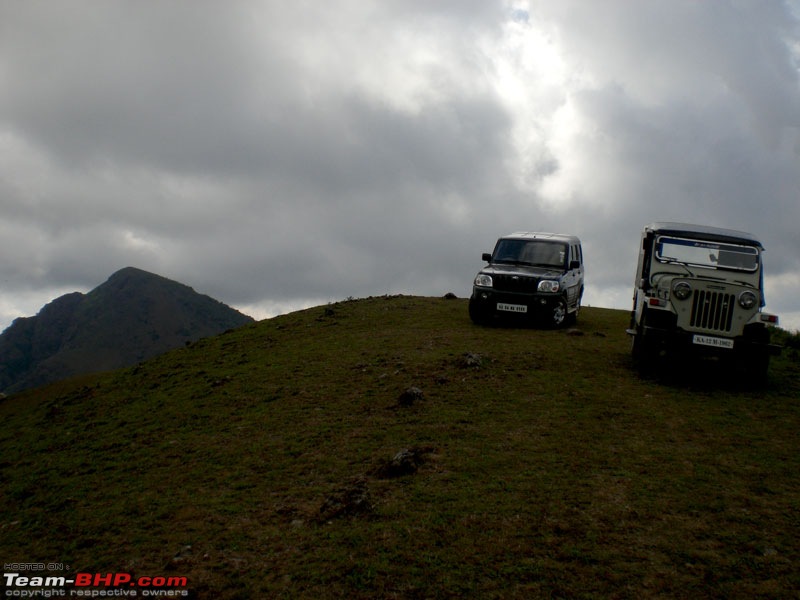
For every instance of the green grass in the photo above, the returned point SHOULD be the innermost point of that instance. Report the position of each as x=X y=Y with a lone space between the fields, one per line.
x=549 y=468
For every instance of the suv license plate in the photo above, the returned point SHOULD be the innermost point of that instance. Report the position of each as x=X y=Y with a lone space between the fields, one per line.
x=714 y=342
x=517 y=308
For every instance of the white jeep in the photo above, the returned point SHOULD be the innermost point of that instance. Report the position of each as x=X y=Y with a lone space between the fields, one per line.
x=700 y=291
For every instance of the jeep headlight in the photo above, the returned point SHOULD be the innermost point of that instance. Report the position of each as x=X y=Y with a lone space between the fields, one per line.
x=747 y=300
x=548 y=285
x=681 y=290
x=483 y=280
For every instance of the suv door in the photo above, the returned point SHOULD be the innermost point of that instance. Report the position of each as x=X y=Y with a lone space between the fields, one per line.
x=573 y=279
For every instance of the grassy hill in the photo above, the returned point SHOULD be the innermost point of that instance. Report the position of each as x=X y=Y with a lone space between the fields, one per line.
x=388 y=448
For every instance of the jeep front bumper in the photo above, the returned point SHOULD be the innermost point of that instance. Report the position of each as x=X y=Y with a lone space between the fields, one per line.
x=753 y=342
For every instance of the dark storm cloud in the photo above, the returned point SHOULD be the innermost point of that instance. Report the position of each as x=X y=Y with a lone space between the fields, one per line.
x=275 y=154
x=684 y=111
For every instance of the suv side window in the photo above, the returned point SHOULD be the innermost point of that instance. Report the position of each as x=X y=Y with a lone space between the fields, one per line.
x=576 y=253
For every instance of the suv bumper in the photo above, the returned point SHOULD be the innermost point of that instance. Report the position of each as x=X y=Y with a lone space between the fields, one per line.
x=485 y=302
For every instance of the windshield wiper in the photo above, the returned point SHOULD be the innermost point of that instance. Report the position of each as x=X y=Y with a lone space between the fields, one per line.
x=510 y=261
x=746 y=283
x=654 y=277
x=680 y=264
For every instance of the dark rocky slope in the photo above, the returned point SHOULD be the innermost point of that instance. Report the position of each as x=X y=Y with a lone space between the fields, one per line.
x=133 y=316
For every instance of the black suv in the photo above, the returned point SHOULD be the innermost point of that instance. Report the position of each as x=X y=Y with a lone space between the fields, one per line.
x=530 y=276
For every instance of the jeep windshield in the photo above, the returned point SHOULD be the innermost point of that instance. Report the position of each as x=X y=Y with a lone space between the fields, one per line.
x=534 y=253
x=706 y=254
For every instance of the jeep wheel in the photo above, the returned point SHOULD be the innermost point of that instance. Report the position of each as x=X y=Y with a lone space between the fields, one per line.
x=642 y=354
x=642 y=350
x=558 y=314
x=752 y=369
x=638 y=350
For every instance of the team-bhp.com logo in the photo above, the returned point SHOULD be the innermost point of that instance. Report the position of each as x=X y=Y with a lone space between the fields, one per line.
x=93 y=585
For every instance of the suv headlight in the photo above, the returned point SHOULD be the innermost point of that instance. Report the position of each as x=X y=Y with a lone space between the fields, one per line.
x=747 y=300
x=681 y=290
x=548 y=285
x=483 y=280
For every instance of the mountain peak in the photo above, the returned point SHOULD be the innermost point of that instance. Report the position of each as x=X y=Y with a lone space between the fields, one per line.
x=134 y=275
x=134 y=315
x=131 y=272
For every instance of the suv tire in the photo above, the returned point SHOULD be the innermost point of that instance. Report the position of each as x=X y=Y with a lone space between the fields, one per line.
x=477 y=315
x=559 y=316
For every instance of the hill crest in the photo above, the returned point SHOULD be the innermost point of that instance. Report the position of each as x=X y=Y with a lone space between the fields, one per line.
x=285 y=460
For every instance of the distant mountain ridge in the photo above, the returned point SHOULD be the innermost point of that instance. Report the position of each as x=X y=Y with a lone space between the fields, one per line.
x=133 y=316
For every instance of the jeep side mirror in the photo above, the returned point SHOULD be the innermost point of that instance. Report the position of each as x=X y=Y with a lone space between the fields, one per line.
x=575 y=264
x=486 y=256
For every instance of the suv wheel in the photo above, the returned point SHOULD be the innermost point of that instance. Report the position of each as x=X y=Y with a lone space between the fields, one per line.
x=477 y=315
x=558 y=314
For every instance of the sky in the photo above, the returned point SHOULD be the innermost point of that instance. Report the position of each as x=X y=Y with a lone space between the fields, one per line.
x=278 y=155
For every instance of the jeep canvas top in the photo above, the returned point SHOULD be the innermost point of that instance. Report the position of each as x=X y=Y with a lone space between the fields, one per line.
x=530 y=276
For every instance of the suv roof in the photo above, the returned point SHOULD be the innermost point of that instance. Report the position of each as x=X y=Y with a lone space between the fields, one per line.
x=539 y=235
x=716 y=234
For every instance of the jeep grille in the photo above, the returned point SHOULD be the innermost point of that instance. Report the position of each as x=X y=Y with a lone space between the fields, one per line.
x=515 y=283
x=712 y=310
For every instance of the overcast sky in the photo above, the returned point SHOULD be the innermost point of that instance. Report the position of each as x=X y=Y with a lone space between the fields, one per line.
x=277 y=154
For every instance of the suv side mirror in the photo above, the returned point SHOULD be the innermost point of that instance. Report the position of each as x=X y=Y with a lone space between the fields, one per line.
x=486 y=256
x=575 y=264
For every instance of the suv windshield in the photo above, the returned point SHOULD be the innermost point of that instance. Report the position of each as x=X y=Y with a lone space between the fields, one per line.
x=711 y=255
x=531 y=252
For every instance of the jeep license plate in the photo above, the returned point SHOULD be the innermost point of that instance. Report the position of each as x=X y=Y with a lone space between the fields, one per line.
x=714 y=342
x=517 y=308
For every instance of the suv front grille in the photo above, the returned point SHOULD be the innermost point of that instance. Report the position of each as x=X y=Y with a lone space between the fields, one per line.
x=515 y=283
x=712 y=310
